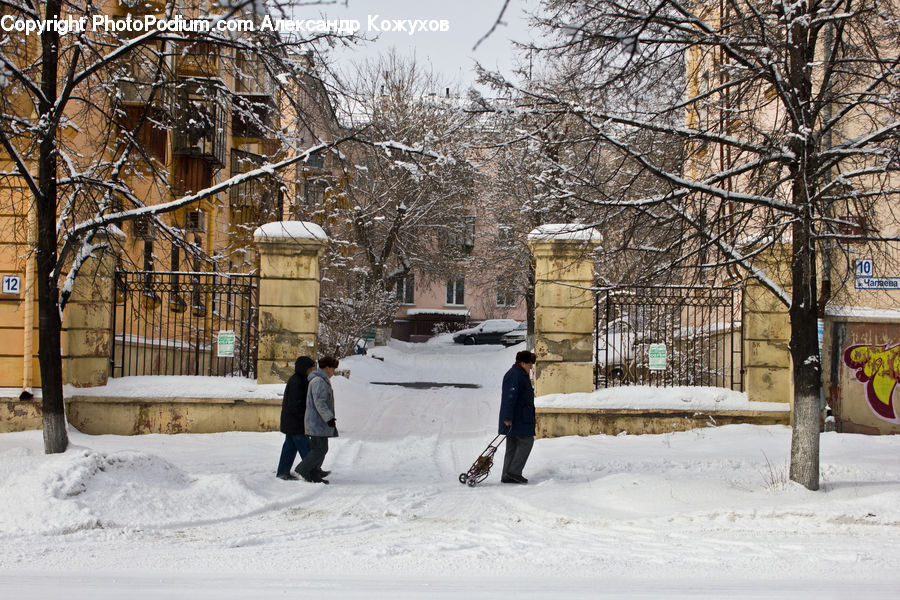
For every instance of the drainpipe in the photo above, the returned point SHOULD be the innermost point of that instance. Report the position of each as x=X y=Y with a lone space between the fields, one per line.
x=28 y=352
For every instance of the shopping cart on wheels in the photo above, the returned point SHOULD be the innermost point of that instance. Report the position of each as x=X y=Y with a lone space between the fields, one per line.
x=481 y=468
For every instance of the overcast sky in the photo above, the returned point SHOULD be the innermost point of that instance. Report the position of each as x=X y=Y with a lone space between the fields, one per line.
x=449 y=53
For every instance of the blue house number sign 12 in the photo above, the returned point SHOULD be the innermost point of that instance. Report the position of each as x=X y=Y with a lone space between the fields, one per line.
x=11 y=284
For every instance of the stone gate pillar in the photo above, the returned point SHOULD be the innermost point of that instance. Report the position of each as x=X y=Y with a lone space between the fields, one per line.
x=766 y=331
x=87 y=322
x=289 y=253
x=564 y=308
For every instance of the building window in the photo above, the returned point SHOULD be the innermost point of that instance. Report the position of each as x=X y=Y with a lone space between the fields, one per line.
x=406 y=289
x=468 y=238
x=461 y=239
x=506 y=237
x=148 y=255
x=456 y=290
x=316 y=160
x=315 y=193
x=148 y=268
x=505 y=296
x=144 y=228
x=195 y=220
x=176 y=302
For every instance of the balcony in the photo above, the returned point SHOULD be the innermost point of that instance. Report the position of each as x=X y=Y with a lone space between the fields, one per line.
x=138 y=7
x=146 y=79
x=197 y=59
x=253 y=113
x=256 y=200
x=149 y=128
x=253 y=116
x=201 y=109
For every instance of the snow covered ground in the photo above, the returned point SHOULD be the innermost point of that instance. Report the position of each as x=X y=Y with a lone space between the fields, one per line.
x=706 y=513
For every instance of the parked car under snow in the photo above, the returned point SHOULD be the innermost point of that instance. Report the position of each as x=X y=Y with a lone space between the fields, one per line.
x=516 y=336
x=489 y=332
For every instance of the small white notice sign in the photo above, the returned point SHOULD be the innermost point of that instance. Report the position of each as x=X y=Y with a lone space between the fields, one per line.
x=12 y=284
x=658 y=356
x=225 y=344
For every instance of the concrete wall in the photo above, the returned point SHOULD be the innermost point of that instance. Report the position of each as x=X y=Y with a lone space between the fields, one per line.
x=766 y=331
x=20 y=415
x=133 y=416
x=557 y=422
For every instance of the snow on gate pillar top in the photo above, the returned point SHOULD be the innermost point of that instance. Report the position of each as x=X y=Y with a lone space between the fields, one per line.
x=289 y=253
x=564 y=307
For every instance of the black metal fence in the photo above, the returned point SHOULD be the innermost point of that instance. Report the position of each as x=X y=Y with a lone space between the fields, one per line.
x=171 y=323
x=668 y=336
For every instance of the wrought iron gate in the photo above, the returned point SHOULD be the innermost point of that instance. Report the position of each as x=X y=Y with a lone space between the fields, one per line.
x=168 y=323
x=667 y=336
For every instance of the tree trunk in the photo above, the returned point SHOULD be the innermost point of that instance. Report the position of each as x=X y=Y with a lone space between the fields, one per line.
x=804 y=277
x=807 y=369
x=49 y=321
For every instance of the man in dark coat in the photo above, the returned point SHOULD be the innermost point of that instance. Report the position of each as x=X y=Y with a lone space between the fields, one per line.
x=293 y=413
x=517 y=417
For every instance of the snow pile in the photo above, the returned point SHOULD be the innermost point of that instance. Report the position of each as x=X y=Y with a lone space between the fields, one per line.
x=655 y=398
x=88 y=489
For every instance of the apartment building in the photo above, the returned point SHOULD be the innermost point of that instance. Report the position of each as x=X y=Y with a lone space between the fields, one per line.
x=165 y=119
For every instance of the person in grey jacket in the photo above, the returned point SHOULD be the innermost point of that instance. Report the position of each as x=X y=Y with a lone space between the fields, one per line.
x=320 y=420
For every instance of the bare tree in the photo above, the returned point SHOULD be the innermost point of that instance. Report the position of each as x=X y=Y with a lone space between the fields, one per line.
x=409 y=187
x=86 y=164
x=789 y=118
x=545 y=166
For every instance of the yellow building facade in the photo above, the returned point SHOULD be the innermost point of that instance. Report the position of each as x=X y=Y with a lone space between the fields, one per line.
x=173 y=118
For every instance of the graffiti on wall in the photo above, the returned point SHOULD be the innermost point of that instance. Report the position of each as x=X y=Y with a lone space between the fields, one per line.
x=878 y=368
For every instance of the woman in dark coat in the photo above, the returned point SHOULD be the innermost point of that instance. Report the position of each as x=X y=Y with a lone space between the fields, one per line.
x=293 y=414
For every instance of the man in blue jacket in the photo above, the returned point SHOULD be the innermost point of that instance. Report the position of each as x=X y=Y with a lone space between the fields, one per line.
x=319 y=421
x=517 y=417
